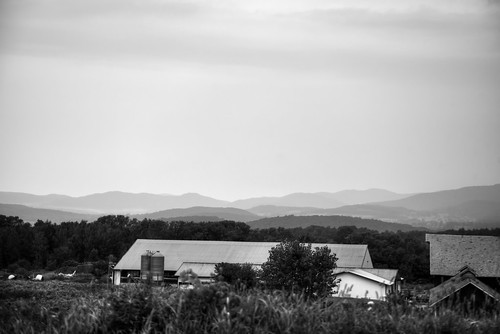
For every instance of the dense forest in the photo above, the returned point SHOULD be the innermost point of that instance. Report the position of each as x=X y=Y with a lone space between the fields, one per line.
x=50 y=246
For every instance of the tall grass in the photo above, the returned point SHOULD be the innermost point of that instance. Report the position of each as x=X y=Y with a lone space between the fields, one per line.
x=61 y=307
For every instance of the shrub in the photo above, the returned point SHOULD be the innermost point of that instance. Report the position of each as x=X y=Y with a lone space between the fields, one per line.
x=239 y=275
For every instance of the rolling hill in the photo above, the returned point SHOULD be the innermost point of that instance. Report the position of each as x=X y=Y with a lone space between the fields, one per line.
x=221 y=213
x=328 y=221
x=322 y=200
x=443 y=200
x=31 y=215
x=114 y=202
x=464 y=207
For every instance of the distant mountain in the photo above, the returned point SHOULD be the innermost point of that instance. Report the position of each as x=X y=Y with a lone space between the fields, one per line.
x=182 y=214
x=349 y=197
x=470 y=203
x=31 y=215
x=373 y=211
x=316 y=200
x=196 y=214
x=321 y=200
x=275 y=210
x=478 y=206
x=114 y=202
x=194 y=219
x=424 y=219
x=448 y=198
x=328 y=221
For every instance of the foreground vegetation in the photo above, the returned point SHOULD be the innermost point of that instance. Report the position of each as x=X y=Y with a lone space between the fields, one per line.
x=66 y=307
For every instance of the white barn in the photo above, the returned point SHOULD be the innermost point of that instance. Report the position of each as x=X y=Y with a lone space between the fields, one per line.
x=201 y=256
x=354 y=265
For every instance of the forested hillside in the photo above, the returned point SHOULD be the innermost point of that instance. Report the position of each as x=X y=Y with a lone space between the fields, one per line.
x=45 y=245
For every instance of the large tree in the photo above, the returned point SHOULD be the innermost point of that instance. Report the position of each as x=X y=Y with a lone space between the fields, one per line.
x=296 y=267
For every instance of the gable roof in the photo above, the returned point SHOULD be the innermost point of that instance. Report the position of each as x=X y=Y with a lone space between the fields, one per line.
x=466 y=276
x=384 y=276
x=176 y=252
x=449 y=253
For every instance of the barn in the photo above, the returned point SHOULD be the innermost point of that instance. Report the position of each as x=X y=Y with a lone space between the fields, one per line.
x=201 y=257
x=465 y=267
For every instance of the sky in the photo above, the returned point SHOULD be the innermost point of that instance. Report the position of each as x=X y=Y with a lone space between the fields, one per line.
x=235 y=99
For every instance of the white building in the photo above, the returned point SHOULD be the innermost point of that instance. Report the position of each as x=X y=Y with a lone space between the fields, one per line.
x=368 y=283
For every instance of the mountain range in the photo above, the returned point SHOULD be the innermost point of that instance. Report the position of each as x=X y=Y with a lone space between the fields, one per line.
x=464 y=207
x=116 y=202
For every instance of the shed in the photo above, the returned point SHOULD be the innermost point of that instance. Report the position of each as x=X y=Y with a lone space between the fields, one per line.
x=367 y=283
x=464 y=287
x=205 y=254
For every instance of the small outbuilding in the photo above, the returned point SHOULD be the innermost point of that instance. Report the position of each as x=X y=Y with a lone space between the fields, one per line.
x=466 y=269
x=368 y=283
x=466 y=289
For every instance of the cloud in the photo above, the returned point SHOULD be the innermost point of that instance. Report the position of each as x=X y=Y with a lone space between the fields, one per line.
x=276 y=34
x=262 y=90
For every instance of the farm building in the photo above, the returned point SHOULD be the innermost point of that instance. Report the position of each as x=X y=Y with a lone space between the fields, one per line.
x=367 y=283
x=201 y=256
x=464 y=286
x=465 y=266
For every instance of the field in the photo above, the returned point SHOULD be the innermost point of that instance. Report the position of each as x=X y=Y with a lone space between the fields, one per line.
x=68 y=307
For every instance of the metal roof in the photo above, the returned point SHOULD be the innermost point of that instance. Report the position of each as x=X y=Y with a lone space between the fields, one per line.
x=176 y=252
x=385 y=276
x=449 y=253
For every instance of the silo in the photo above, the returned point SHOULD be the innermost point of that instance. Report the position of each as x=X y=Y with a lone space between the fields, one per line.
x=157 y=267
x=145 y=265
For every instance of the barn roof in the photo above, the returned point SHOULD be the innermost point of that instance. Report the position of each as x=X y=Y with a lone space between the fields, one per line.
x=176 y=252
x=449 y=253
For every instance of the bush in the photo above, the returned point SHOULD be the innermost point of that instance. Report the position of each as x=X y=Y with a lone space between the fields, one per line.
x=239 y=275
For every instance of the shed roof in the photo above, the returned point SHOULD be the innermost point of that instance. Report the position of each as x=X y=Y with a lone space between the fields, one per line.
x=449 y=253
x=384 y=276
x=177 y=252
x=465 y=277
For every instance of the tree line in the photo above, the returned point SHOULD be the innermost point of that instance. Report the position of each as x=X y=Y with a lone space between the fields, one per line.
x=45 y=245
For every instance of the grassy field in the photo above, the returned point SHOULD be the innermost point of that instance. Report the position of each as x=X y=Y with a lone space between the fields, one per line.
x=69 y=307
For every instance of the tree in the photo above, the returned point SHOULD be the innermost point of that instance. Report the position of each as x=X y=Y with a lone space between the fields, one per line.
x=239 y=275
x=296 y=267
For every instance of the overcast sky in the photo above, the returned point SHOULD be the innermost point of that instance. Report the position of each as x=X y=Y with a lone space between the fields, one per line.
x=235 y=99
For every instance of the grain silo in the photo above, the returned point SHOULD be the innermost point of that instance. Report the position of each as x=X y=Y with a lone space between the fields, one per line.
x=157 y=267
x=145 y=265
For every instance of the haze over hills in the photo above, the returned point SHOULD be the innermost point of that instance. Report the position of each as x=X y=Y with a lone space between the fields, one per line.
x=32 y=215
x=329 y=221
x=116 y=202
x=466 y=206
x=199 y=211
x=448 y=198
x=323 y=200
